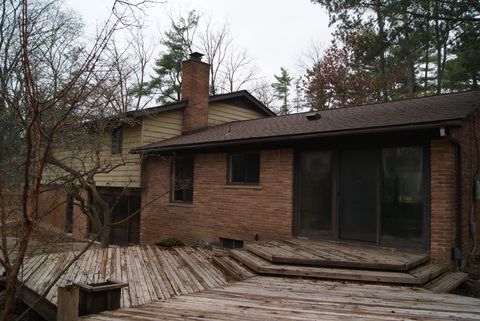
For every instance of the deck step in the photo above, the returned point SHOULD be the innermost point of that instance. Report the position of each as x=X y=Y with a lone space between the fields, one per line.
x=336 y=254
x=429 y=271
x=232 y=268
x=447 y=282
x=263 y=266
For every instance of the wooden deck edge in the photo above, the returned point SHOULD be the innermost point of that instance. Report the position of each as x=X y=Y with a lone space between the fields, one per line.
x=381 y=266
x=339 y=274
x=44 y=308
x=447 y=282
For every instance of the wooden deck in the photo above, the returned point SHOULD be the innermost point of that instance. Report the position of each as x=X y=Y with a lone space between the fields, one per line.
x=152 y=273
x=273 y=298
x=417 y=276
x=335 y=254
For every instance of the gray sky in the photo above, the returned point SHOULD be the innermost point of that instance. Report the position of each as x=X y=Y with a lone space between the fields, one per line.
x=275 y=32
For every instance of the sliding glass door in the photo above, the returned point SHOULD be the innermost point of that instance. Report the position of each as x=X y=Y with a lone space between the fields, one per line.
x=374 y=196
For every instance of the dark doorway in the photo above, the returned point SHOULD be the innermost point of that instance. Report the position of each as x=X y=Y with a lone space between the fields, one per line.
x=125 y=215
x=358 y=196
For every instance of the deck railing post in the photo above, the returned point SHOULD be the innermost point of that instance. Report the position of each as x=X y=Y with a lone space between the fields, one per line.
x=67 y=303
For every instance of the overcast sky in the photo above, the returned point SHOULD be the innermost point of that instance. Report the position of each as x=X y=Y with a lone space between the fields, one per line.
x=275 y=32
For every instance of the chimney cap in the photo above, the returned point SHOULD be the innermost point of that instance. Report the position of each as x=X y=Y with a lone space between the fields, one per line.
x=196 y=55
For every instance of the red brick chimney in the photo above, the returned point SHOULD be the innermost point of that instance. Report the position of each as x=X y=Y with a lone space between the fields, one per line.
x=195 y=88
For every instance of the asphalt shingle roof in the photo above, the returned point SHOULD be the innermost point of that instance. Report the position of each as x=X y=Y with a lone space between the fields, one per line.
x=383 y=116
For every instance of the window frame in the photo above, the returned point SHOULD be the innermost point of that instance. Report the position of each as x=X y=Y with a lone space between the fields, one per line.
x=230 y=169
x=117 y=140
x=173 y=182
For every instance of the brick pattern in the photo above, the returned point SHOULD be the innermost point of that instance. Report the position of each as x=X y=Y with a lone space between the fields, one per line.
x=218 y=209
x=444 y=188
x=442 y=202
x=195 y=87
x=470 y=161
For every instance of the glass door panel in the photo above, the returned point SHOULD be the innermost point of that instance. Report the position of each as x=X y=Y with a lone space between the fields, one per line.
x=315 y=194
x=403 y=196
x=358 y=196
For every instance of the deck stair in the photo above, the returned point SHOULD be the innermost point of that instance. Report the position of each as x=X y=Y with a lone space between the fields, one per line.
x=330 y=260
x=447 y=282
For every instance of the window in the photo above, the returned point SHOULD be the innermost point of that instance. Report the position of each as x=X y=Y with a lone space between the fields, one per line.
x=117 y=137
x=182 y=182
x=69 y=214
x=230 y=243
x=244 y=168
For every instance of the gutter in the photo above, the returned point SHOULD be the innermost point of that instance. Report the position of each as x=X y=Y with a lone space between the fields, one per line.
x=457 y=250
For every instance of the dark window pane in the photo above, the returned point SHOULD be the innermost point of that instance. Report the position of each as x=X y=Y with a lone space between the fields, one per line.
x=403 y=196
x=183 y=179
x=245 y=168
x=315 y=188
x=117 y=140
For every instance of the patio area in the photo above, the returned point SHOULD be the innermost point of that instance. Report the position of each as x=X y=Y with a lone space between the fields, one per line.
x=274 y=298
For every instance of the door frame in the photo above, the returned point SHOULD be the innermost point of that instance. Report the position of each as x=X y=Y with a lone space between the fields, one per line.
x=424 y=144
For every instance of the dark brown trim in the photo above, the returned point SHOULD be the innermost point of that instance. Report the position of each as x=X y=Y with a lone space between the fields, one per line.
x=157 y=109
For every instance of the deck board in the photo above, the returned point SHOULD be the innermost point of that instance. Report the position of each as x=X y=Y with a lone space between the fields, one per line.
x=336 y=254
x=153 y=274
x=276 y=298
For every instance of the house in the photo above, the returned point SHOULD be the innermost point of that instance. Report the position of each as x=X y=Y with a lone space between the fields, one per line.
x=400 y=174
x=120 y=178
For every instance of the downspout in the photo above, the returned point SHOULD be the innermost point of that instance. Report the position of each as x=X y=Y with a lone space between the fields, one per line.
x=457 y=250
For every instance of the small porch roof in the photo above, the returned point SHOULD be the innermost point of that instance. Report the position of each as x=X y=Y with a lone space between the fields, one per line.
x=448 y=110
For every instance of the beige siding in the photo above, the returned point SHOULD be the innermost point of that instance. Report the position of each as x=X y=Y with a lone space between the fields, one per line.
x=161 y=126
x=219 y=113
x=83 y=157
x=128 y=174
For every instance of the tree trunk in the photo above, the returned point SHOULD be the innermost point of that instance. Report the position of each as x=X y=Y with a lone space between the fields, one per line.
x=8 y=297
x=410 y=64
x=381 y=36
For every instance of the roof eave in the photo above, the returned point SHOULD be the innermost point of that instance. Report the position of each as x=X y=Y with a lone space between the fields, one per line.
x=286 y=138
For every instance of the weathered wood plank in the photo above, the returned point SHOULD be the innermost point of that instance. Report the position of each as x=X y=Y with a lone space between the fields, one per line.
x=447 y=282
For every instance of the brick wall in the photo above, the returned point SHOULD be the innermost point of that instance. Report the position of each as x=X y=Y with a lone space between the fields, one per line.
x=442 y=189
x=218 y=209
x=470 y=208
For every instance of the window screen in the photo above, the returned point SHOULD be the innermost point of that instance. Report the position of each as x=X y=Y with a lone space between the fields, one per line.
x=245 y=168
x=182 y=184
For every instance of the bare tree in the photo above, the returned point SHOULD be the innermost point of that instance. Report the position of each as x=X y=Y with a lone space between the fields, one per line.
x=263 y=91
x=51 y=83
x=239 y=70
x=215 y=43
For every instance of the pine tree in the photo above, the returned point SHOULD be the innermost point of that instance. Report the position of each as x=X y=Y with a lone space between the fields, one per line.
x=282 y=89
x=178 y=42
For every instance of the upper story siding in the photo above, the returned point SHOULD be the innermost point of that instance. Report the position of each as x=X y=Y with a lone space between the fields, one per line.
x=147 y=129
